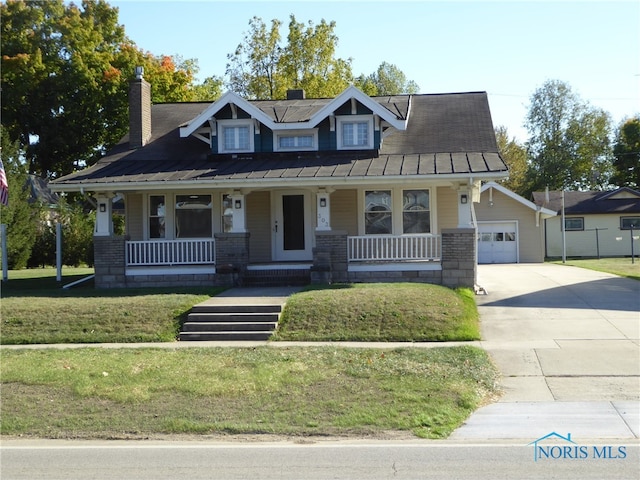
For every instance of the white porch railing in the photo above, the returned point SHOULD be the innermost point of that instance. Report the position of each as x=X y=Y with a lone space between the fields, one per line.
x=394 y=248
x=171 y=252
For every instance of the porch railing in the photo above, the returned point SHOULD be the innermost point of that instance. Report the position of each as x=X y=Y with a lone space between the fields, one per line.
x=394 y=248
x=171 y=252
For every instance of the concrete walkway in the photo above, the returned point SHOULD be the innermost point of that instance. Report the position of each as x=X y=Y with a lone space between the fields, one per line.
x=567 y=343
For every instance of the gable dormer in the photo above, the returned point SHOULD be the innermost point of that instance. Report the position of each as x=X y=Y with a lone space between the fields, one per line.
x=351 y=121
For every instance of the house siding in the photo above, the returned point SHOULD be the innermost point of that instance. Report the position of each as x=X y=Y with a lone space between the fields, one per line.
x=447 y=208
x=344 y=215
x=530 y=238
x=259 y=224
x=583 y=243
x=134 y=216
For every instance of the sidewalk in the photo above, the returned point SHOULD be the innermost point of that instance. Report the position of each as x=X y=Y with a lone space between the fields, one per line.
x=567 y=343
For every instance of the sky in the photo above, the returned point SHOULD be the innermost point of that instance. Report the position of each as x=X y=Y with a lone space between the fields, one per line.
x=507 y=48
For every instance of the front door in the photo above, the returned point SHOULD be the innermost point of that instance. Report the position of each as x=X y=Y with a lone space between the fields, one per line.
x=292 y=228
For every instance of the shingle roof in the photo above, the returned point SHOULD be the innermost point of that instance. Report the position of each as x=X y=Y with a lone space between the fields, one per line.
x=576 y=203
x=446 y=134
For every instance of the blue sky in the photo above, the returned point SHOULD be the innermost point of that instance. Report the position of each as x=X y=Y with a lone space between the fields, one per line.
x=506 y=48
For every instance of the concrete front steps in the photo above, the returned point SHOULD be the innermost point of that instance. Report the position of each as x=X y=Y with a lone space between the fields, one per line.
x=230 y=322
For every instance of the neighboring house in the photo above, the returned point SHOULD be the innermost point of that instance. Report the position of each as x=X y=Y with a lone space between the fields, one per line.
x=596 y=223
x=347 y=189
x=510 y=227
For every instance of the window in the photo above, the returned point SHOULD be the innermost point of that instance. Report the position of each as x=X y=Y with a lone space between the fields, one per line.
x=236 y=136
x=377 y=213
x=227 y=213
x=627 y=222
x=296 y=140
x=156 y=216
x=355 y=132
x=416 y=217
x=574 y=224
x=193 y=216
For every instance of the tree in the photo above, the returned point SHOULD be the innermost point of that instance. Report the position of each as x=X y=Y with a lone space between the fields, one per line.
x=262 y=68
x=65 y=76
x=207 y=91
x=568 y=144
x=388 y=79
x=515 y=156
x=20 y=216
x=627 y=154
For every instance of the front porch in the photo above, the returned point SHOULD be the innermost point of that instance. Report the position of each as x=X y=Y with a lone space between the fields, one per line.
x=447 y=259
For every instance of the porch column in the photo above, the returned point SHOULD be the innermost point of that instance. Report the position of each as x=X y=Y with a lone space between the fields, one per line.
x=238 y=209
x=104 y=222
x=465 y=219
x=324 y=211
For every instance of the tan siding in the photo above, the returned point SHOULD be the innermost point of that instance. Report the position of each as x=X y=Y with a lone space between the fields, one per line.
x=259 y=226
x=134 y=219
x=344 y=211
x=530 y=237
x=447 y=208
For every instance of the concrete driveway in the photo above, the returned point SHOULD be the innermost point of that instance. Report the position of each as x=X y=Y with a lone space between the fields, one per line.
x=567 y=342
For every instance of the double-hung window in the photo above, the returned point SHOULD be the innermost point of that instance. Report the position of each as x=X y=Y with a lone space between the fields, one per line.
x=236 y=136
x=355 y=132
x=156 y=216
x=193 y=216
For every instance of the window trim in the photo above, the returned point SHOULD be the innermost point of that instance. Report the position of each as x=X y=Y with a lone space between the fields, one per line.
x=637 y=222
x=313 y=133
x=244 y=122
x=573 y=229
x=343 y=119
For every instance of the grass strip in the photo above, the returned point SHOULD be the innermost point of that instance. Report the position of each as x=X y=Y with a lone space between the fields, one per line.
x=620 y=266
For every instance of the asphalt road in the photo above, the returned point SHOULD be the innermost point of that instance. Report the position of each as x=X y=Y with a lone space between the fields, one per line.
x=331 y=460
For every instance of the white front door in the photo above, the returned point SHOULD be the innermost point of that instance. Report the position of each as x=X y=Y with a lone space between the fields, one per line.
x=497 y=242
x=292 y=228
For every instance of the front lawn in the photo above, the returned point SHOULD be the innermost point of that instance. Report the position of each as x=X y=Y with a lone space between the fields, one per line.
x=146 y=393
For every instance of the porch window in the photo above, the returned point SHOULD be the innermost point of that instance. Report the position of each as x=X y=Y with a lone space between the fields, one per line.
x=416 y=217
x=156 y=216
x=377 y=213
x=227 y=213
x=193 y=216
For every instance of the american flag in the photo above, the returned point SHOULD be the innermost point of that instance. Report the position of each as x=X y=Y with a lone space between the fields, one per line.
x=4 y=186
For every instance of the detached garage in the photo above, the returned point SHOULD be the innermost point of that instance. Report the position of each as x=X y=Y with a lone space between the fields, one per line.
x=510 y=227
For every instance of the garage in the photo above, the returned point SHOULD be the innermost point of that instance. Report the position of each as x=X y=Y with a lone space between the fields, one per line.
x=498 y=242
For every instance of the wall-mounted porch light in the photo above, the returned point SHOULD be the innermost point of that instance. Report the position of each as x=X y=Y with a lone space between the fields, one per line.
x=323 y=202
x=463 y=198
x=103 y=208
x=237 y=204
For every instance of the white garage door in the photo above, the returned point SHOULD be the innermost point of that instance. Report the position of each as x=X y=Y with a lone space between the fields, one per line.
x=497 y=242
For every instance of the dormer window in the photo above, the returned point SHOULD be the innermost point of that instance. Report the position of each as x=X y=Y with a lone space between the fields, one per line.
x=235 y=136
x=296 y=140
x=355 y=132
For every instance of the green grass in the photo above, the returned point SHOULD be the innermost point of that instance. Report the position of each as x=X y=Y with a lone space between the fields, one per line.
x=380 y=312
x=621 y=266
x=138 y=393
x=35 y=309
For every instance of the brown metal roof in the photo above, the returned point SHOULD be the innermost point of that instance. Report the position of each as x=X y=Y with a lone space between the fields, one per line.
x=576 y=203
x=446 y=134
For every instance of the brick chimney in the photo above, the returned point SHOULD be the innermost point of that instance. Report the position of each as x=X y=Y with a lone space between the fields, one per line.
x=139 y=110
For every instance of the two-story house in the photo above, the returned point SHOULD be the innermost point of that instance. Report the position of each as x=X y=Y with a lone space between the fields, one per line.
x=346 y=189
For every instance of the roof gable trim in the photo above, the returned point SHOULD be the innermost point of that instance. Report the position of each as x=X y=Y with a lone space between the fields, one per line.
x=517 y=198
x=623 y=193
x=350 y=92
